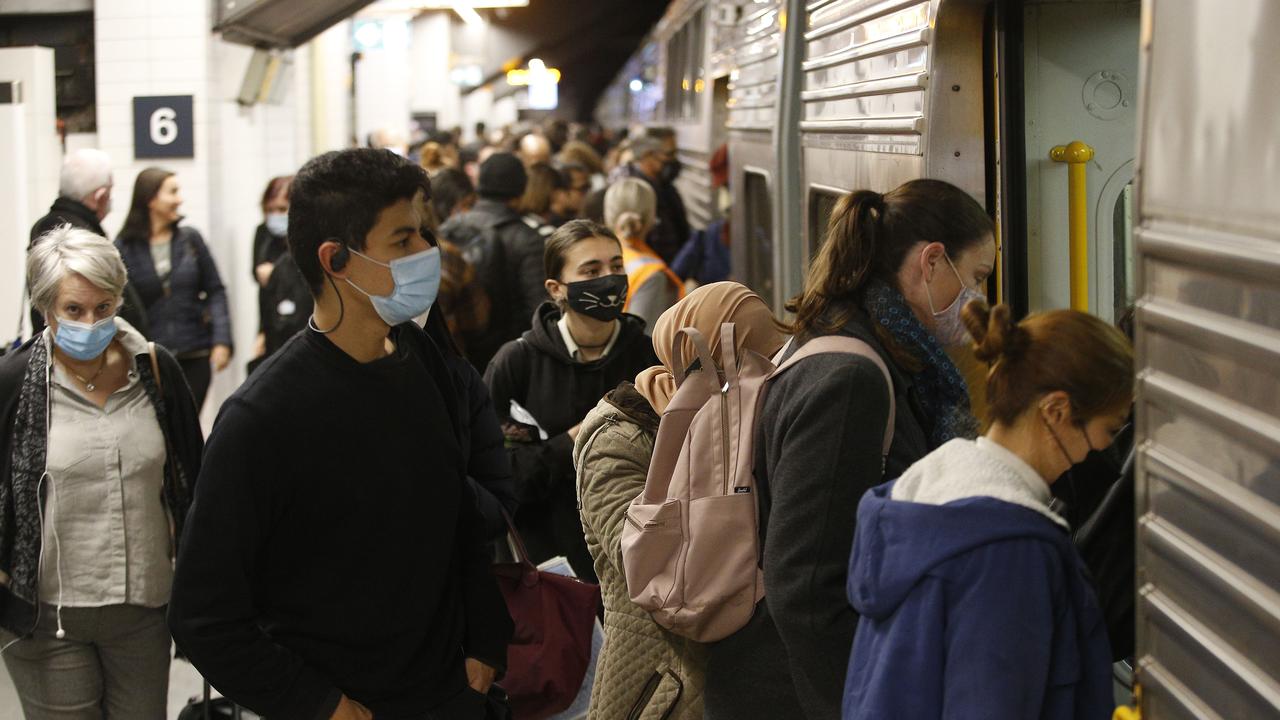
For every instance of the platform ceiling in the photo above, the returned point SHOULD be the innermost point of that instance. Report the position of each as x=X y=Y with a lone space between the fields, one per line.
x=588 y=40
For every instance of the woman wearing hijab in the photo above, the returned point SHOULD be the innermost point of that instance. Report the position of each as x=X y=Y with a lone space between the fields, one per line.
x=644 y=668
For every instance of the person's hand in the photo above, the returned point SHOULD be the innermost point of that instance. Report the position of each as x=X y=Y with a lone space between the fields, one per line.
x=260 y=345
x=479 y=676
x=573 y=432
x=349 y=709
x=263 y=272
x=220 y=357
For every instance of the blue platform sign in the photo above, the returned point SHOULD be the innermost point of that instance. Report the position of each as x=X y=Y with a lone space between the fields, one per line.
x=163 y=127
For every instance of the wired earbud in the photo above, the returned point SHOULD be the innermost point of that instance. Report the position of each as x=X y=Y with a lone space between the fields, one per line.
x=337 y=262
x=340 y=258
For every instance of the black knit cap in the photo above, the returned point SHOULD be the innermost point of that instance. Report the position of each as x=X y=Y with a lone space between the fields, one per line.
x=502 y=176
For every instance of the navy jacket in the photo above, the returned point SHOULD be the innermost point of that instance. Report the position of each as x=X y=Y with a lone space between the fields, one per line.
x=977 y=608
x=191 y=316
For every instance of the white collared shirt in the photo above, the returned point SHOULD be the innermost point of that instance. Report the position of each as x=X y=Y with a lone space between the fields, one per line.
x=106 y=528
x=575 y=352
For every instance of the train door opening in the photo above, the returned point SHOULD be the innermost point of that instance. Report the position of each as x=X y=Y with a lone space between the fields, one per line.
x=1078 y=86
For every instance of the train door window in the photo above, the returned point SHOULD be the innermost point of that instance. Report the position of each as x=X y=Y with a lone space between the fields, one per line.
x=1122 y=250
x=822 y=202
x=759 y=233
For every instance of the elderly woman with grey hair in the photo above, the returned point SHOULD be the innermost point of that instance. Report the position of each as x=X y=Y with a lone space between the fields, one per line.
x=99 y=447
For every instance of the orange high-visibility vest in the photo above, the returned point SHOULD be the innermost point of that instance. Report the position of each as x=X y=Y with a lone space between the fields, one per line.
x=642 y=263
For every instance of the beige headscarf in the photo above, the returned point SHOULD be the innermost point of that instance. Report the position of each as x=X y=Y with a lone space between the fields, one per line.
x=706 y=309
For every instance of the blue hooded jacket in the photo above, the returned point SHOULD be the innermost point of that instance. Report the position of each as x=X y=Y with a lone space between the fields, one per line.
x=976 y=608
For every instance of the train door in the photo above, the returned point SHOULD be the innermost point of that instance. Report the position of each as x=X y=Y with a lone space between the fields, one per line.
x=1208 y=345
x=753 y=59
x=1079 y=71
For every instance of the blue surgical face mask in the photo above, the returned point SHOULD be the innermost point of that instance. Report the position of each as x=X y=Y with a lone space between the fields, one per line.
x=83 y=341
x=278 y=223
x=417 y=280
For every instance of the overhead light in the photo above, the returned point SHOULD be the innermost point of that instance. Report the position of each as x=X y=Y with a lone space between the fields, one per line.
x=520 y=76
x=537 y=65
x=637 y=85
x=475 y=4
x=468 y=14
x=415 y=6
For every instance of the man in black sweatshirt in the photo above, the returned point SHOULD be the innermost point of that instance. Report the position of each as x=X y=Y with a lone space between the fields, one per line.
x=333 y=564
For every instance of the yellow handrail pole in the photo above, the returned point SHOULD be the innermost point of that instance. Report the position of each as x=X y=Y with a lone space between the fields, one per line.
x=1075 y=154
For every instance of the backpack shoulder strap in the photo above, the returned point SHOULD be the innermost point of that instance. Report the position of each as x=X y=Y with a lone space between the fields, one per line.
x=852 y=346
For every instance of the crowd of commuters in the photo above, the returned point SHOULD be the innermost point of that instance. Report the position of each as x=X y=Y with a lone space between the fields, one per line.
x=487 y=338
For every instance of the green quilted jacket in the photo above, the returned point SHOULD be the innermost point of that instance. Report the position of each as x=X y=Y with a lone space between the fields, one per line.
x=644 y=672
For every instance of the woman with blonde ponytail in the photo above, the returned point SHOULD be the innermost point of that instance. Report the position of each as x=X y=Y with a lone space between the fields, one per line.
x=894 y=271
x=630 y=207
x=973 y=600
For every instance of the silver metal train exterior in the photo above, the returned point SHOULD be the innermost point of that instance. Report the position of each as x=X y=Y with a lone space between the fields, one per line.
x=1178 y=101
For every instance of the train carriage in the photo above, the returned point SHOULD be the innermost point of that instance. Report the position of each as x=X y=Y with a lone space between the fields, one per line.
x=1033 y=108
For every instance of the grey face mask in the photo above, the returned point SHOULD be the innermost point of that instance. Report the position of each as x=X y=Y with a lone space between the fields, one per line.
x=949 y=327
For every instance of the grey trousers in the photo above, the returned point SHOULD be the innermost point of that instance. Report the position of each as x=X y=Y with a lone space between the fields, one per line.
x=113 y=664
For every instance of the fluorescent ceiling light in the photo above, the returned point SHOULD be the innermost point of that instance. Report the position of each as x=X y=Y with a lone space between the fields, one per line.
x=386 y=6
x=468 y=13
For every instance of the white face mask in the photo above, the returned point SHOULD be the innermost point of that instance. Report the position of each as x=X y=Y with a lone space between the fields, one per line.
x=949 y=327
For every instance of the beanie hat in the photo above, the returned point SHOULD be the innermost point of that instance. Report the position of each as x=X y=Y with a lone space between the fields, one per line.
x=502 y=176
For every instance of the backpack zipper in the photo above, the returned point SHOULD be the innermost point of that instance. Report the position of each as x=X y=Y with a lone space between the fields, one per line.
x=724 y=435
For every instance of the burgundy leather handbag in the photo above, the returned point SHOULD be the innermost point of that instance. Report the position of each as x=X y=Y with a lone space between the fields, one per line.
x=554 y=617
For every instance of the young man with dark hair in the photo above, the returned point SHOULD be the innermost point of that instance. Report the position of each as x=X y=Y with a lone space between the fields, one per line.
x=333 y=563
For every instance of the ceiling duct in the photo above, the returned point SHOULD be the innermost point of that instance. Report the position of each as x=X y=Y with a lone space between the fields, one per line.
x=279 y=23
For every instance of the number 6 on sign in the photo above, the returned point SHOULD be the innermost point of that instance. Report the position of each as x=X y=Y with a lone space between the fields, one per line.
x=163 y=128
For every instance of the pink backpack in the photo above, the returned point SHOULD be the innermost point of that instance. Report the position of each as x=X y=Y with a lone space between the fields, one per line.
x=691 y=543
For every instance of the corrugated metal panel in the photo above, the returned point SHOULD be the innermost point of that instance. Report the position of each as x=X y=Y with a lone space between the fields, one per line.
x=1208 y=349
x=866 y=72
x=751 y=54
x=694 y=185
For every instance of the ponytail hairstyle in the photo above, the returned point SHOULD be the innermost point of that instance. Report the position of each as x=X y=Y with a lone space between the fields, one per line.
x=868 y=238
x=1067 y=350
x=630 y=206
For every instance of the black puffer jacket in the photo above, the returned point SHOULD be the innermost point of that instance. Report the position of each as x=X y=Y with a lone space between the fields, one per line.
x=66 y=211
x=538 y=373
x=507 y=257
x=488 y=468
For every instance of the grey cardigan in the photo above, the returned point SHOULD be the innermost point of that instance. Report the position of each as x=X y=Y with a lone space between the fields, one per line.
x=818 y=445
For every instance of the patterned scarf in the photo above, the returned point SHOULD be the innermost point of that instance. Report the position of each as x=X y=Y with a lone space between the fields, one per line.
x=21 y=493
x=943 y=391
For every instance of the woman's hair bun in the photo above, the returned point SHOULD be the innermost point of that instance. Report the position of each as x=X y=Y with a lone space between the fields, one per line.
x=995 y=334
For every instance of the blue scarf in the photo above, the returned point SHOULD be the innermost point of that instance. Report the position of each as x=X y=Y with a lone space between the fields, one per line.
x=943 y=391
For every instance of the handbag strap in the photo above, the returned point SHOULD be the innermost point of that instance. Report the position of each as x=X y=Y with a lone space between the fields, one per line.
x=155 y=367
x=516 y=542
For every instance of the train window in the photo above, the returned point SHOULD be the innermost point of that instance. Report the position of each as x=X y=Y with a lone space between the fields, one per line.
x=1122 y=248
x=759 y=233
x=822 y=202
x=685 y=69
